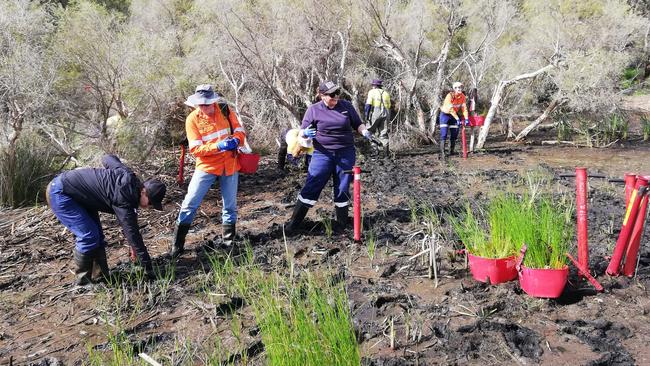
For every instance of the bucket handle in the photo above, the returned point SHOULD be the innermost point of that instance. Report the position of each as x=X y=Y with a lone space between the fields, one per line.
x=520 y=260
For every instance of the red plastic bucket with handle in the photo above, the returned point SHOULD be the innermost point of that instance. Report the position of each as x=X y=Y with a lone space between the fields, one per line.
x=548 y=283
x=476 y=121
x=495 y=270
x=541 y=282
x=248 y=162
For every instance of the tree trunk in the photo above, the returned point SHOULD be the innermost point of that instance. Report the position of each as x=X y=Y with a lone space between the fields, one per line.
x=496 y=99
x=557 y=101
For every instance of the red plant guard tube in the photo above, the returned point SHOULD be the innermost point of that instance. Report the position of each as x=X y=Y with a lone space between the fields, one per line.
x=635 y=238
x=585 y=272
x=181 y=167
x=628 y=223
x=356 y=171
x=630 y=179
x=581 y=208
x=463 y=139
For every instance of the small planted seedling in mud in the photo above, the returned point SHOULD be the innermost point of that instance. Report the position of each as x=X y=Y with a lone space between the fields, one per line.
x=413 y=208
x=327 y=225
x=165 y=277
x=371 y=245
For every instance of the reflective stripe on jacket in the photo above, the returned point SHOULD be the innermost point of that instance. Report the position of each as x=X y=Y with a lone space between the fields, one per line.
x=204 y=133
x=453 y=103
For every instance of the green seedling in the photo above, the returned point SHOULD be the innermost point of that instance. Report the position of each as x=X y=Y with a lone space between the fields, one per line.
x=371 y=245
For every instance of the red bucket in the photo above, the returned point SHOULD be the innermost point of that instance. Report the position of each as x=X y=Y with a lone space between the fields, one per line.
x=248 y=163
x=497 y=270
x=476 y=121
x=548 y=283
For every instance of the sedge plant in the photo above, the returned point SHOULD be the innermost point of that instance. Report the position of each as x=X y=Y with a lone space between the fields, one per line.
x=500 y=231
x=553 y=234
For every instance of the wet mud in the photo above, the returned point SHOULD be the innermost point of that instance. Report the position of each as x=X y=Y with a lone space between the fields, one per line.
x=45 y=321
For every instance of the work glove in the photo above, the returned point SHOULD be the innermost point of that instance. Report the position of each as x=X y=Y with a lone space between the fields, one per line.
x=367 y=134
x=228 y=144
x=466 y=122
x=309 y=132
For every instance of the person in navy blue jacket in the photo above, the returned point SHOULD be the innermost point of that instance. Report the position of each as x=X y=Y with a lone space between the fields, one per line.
x=77 y=196
x=330 y=123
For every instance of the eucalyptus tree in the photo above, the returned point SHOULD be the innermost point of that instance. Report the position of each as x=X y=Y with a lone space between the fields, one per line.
x=417 y=36
x=27 y=82
x=272 y=54
x=575 y=49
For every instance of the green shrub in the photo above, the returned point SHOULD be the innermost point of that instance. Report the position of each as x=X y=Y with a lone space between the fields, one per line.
x=645 y=128
x=25 y=171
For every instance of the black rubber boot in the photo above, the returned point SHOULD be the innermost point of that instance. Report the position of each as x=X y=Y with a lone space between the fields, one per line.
x=101 y=263
x=299 y=213
x=452 y=145
x=282 y=155
x=342 y=219
x=84 y=270
x=228 y=234
x=442 y=150
x=178 y=243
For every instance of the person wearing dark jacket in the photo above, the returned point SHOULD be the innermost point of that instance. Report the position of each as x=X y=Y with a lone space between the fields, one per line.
x=76 y=197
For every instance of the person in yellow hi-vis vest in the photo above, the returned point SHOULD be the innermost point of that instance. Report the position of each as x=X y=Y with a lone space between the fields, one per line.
x=377 y=112
x=214 y=134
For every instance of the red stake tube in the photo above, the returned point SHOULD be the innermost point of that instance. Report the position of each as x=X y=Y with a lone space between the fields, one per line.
x=356 y=171
x=463 y=139
x=630 y=179
x=628 y=223
x=585 y=272
x=582 y=213
x=635 y=238
x=181 y=167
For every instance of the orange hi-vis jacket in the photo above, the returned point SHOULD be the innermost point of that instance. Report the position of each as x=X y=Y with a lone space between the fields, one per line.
x=453 y=103
x=203 y=135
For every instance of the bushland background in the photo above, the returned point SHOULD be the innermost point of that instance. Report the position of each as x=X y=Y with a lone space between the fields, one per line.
x=79 y=78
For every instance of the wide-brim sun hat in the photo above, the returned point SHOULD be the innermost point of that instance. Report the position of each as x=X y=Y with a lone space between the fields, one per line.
x=204 y=94
x=457 y=84
x=377 y=82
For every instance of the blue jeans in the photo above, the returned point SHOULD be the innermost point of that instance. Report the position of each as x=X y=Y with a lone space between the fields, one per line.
x=84 y=224
x=324 y=165
x=199 y=185
x=448 y=122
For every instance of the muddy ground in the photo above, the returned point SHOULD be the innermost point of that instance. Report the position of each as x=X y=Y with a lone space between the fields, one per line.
x=46 y=321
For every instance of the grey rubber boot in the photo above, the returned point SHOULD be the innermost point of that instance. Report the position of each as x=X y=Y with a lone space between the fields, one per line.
x=452 y=145
x=178 y=242
x=442 y=150
x=228 y=234
x=299 y=213
x=84 y=267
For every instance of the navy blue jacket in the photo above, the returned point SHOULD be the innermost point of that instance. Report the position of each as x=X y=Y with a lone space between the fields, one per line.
x=115 y=189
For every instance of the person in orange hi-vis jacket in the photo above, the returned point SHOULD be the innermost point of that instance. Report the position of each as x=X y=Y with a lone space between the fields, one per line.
x=214 y=135
x=453 y=110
